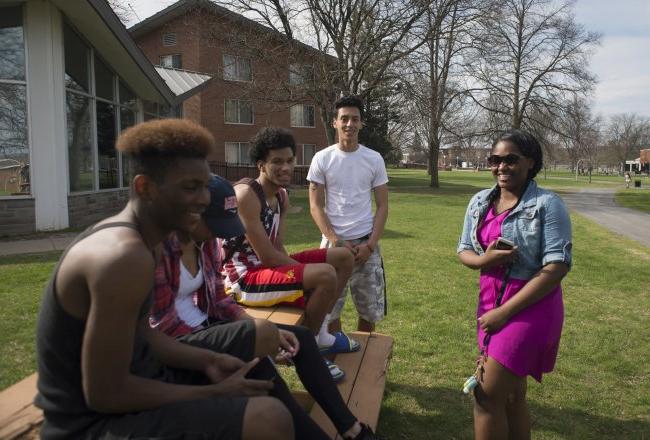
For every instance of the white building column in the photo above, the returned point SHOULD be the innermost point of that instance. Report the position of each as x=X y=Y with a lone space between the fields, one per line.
x=47 y=116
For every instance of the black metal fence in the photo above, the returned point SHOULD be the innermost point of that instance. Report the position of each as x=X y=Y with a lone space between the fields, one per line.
x=235 y=171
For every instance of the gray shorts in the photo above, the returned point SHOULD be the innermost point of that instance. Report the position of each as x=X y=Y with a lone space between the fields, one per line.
x=367 y=287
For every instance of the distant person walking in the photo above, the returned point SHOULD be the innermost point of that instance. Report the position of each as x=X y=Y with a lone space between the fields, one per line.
x=628 y=179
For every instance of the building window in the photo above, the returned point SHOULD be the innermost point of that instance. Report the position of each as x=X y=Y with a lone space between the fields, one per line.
x=98 y=106
x=237 y=153
x=238 y=112
x=237 y=68
x=300 y=74
x=128 y=117
x=169 y=40
x=14 y=147
x=171 y=61
x=308 y=151
x=153 y=110
x=302 y=115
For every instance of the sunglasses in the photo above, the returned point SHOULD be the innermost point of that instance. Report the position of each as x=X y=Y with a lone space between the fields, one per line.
x=508 y=159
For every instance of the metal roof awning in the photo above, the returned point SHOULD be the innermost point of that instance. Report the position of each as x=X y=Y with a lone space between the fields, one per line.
x=183 y=83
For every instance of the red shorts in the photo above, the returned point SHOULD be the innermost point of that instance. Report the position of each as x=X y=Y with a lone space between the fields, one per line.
x=268 y=286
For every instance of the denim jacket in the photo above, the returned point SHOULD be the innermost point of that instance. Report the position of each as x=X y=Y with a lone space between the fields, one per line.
x=539 y=226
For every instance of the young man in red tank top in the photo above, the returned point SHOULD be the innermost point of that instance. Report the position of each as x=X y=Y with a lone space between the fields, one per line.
x=257 y=268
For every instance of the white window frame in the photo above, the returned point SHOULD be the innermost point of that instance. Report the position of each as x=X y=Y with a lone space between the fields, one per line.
x=237 y=72
x=239 y=152
x=302 y=118
x=239 y=112
x=171 y=58
x=92 y=96
x=27 y=102
x=302 y=156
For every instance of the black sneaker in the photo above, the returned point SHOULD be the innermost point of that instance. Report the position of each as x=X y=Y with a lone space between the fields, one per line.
x=366 y=433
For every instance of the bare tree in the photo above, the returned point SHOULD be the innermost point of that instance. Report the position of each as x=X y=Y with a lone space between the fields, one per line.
x=580 y=134
x=433 y=83
x=366 y=37
x=122 y=9
x=530 y=58
x=627 y=134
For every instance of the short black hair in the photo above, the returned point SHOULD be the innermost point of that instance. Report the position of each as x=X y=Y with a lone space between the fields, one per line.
x=527 y=144
x=270 y=138
x=348 y=101
x=153 y=147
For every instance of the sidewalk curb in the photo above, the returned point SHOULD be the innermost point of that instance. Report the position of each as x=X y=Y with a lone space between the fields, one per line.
x=47 y=244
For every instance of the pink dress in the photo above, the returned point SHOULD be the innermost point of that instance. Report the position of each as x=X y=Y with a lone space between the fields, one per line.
x=528 y=343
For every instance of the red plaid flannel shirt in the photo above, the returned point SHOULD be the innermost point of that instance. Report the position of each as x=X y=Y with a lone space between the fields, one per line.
x=211 y=298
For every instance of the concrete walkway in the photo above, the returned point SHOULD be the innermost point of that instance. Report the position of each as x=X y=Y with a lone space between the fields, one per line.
x=598 y=205
x=48 y=243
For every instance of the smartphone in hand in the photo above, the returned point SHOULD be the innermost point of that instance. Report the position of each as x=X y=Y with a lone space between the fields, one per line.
x=504 y=244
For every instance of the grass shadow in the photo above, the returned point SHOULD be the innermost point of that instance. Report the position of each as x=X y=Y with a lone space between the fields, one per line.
x=391 y=234
x=45 y=257
x=449 y=409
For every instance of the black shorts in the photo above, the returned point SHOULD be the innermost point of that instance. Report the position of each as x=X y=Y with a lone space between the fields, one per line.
x=212 y=418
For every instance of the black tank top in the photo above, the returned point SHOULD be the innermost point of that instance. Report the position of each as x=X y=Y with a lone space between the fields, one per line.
x=240 y=244
x=59 y=338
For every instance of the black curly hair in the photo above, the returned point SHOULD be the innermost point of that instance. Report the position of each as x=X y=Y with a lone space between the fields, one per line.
x=348 y=101
x=270 y=138
x=527 y=144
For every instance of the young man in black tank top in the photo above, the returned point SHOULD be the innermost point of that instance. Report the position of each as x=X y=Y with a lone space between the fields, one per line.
x=103 y=373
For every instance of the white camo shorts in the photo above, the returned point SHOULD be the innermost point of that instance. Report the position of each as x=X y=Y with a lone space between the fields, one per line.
x=367 y=286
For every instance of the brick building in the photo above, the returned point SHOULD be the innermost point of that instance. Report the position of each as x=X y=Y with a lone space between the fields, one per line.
x=258 y=76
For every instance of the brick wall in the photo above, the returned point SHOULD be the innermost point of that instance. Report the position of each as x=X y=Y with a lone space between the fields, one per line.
x=202 y=40
x=86 y=209
x=17 y=216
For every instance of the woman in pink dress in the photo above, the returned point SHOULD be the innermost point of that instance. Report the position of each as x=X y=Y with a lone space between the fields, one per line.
x=520 y=311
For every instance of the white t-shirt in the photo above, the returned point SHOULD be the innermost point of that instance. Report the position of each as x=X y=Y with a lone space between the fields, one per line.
x=349 y=178
x=184 y=302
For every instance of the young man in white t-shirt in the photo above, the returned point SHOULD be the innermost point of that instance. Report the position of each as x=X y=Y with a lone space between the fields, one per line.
x=342 y=179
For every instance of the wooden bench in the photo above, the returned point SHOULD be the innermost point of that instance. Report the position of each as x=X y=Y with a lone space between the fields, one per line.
x=362 y=389
x=365 y=380
x=365 y=371
x=278 y=314
x=18 y=415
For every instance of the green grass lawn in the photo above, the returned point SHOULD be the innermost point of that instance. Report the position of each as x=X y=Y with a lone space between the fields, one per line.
x=634 y=198
x=599 y=389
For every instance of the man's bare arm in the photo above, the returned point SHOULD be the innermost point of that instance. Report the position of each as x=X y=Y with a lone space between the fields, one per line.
x=364 y=250
x=249 y=213
x=119 y=283
x=317 y=210
x=381 y=214
x=112 y=320
x=279 y=242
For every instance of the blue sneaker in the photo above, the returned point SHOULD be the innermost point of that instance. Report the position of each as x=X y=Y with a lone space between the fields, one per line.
x=342 y=344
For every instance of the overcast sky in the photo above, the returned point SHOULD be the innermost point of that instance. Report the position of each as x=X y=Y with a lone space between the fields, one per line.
x=621 y=63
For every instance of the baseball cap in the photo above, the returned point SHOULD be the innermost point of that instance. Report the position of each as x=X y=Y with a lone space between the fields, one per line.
x=221 y=214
